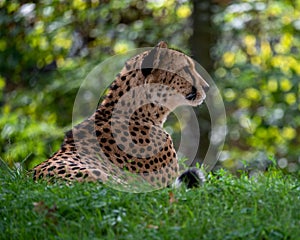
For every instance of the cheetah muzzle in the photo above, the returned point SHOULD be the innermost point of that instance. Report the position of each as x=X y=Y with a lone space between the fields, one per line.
x=123 y=143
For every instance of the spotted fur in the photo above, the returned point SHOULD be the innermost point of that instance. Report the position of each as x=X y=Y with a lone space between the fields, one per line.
x=125 y=134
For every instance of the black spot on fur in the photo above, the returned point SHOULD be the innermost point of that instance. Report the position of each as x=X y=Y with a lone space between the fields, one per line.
x=107 y=148
x=121 y=147
x=51 y=168
x=61 y=172
x=106 y=130
x=96 y=172
x=114 y=87
x=79 y=174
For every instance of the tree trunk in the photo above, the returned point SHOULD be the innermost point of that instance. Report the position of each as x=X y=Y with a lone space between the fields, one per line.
x=201 y=42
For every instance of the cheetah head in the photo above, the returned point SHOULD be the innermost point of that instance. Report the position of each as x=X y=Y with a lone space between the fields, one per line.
x=176 y=70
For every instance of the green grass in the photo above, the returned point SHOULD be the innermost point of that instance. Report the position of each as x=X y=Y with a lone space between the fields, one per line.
x=226 y=207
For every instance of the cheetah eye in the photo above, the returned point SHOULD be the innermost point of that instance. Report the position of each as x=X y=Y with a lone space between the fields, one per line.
x=192 y=95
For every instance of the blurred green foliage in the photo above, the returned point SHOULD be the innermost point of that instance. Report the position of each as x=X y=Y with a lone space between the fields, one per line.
x=258 y=69
x=48 y=47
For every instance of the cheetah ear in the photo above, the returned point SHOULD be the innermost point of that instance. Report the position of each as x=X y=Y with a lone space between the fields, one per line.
x=162 y=44
x=152 y=59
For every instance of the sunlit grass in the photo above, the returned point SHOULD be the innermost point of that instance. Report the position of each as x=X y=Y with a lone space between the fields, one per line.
x=226 y=207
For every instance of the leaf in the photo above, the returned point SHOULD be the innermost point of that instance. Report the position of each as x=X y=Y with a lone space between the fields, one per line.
x=152 y=226
x=172 y=198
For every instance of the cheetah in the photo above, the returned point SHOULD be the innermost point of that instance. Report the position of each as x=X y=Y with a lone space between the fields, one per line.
x=124 y=142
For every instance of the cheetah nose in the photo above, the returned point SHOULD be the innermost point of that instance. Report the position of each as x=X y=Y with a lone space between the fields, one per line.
x=206 y=88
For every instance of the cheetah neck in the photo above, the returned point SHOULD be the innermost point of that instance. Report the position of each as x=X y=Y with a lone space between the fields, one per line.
x=126 y=100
